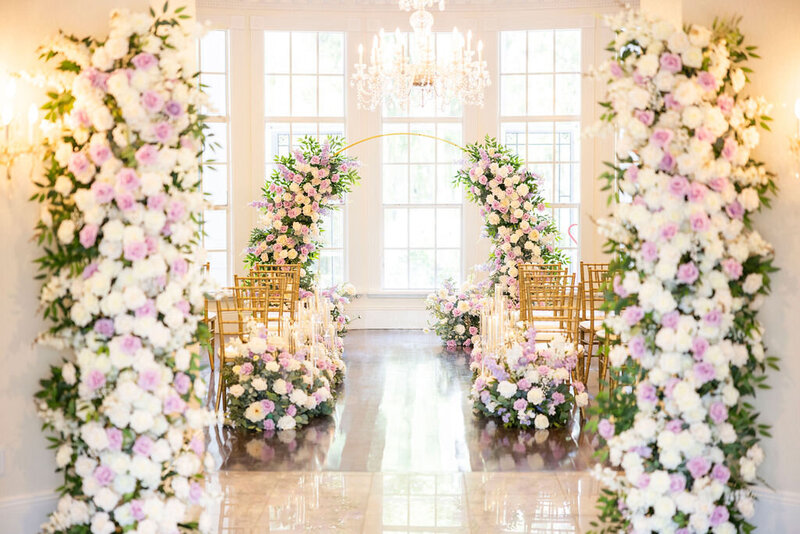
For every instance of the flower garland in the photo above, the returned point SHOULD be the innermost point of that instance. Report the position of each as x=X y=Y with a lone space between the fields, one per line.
x=528 y=385
x=689 y=276
x=123 y=287
x=514 y=213
x=455 y=313
x=301 y=190
x=271 y=388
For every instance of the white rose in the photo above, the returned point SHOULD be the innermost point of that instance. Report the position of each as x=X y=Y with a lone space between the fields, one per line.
x=255 y=412
x=459 y=329
x=535 y=396
x=259 y=384
x=106 y=499
x=286 y=422
x=541 y=422
x=64 y=455
x=66 y=232
x=506 y=389
x=68 y=373
x=746 y=507
x=279 y=387
x=298 y=396
x=236 y=390
x=63 y=185
x=752 y=283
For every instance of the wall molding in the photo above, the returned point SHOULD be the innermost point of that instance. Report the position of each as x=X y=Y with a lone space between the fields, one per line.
x=26 y=512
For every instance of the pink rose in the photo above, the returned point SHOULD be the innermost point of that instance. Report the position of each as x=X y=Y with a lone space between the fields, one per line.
x=671 y=62
x=88 y=235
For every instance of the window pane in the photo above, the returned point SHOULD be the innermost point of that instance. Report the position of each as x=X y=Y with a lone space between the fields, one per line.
x=448 y=265
x=422 y=189
x=540 y=51
x=512 y=134
x=331 y=96
x=540 y=141
x=568 y=94
x=213 y=52
x=276 y=52
x=217 y=94
x=331 y=53
x=301 y=130
x=215 y=183
x=304 y=96
x=512 y=52
x=512 y=95
x=276 y=138
x=421 y=269
x=568 y=183
x=334 y=229
x=276 y=96
x=395 y=269
x=447 y=153
x=423 y=149
x=395 y=227
x=216 y=143
x=448 y=227
x=304 y=52
x=395 y=184
x=568 y=137
x=395 y=147
x=568 y=51
x=328 y=129
x=446 y=192
x=218 y=267
x=216 y=229
x=421 y=227
x=545 y=172
x=540 y=94
x=567 y=223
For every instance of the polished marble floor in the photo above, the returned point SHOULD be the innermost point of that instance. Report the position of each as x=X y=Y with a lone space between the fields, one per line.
x=404 y=453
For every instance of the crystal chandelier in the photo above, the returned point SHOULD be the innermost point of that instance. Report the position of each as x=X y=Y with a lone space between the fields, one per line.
x=393 y=72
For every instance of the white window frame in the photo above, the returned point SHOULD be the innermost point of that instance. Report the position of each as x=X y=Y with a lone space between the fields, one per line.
x=225 y=119
x=527 y=119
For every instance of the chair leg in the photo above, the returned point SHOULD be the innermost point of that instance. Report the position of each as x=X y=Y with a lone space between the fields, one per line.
x=587 y=361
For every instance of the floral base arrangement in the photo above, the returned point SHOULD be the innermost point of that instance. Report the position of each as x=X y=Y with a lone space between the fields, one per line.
x=271 y=388
x=339 y=297
x=122 y=278
x=529 y=384
x=679 y=431
x=455 y=313
x=515 y=215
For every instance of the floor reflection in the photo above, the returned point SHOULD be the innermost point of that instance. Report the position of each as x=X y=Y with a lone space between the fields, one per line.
x=404 y=453
x=404 y=408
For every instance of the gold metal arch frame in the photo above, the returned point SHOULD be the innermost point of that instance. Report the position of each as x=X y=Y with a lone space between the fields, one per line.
x=397 y=133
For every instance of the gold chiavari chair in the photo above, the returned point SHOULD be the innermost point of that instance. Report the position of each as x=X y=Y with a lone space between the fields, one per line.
x=278 y=305
x=590 y=329
x=533 y=274
x=552 y=306
x=210 y=320
x=292 y=274
x=235 y=310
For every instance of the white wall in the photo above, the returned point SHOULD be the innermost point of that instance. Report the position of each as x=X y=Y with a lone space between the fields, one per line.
x=772 y=26
x=27 y=477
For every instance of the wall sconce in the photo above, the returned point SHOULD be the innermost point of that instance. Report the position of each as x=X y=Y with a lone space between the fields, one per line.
x=19 y=133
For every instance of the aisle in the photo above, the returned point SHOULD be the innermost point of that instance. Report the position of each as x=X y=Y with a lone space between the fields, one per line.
x=403 y=453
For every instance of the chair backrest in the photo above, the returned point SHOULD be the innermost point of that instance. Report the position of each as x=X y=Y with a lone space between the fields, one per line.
x=593 y=278
x=262 y=302
x=533 y=274
x=289 y=271
x=269 y=293
x=552 y=305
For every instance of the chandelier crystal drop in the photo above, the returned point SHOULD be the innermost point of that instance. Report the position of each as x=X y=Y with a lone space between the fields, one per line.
x=395 y=70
